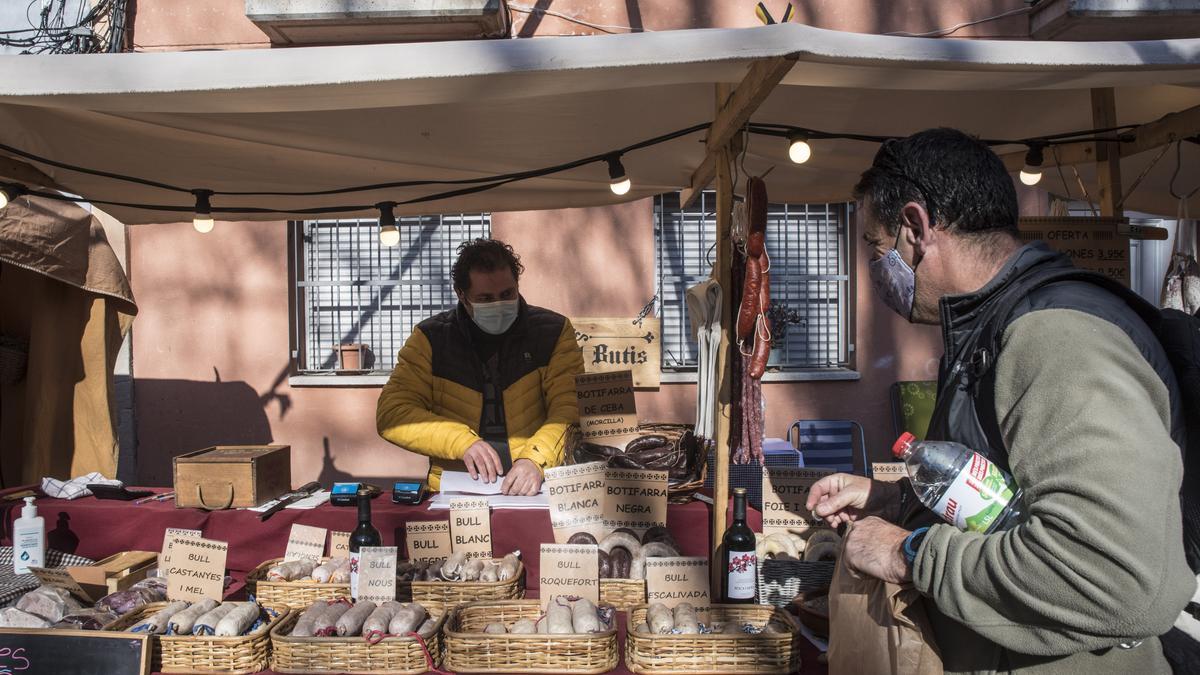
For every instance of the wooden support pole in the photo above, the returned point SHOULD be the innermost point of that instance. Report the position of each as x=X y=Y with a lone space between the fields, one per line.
x=1108 y=153
x=732 y=114
x=724 y=362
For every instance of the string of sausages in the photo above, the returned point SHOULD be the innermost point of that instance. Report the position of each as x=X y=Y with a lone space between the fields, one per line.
x=752 y=272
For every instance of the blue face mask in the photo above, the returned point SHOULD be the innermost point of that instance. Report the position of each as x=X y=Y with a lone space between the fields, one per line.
x=495 y=318
x=894 y=281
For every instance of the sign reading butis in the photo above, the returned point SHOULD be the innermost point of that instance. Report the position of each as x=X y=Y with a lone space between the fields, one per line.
x=612 y=344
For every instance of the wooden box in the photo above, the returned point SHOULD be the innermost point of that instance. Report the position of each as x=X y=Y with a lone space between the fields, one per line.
x=232 y=476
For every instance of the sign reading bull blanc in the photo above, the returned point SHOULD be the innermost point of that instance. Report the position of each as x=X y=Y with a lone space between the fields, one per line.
x=576 y=496
x=471 y=527
x=636 y=499
x=569 y=569
x=197 y=570
x=784 y=493
x=675 y=580
x=428 y=540
x=612 y=344
x=607 y=410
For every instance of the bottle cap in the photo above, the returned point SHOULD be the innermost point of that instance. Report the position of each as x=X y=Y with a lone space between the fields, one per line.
x=906 y=439
x=30 y=509
x=739 y=491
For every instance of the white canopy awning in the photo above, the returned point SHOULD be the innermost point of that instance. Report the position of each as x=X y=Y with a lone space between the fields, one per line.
x=321 y=118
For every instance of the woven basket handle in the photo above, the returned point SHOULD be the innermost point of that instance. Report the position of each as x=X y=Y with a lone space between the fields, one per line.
x=205 y=505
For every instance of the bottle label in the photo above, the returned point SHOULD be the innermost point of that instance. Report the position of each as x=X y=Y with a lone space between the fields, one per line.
x=743 y=574
x=977 y=497
x=354 y=575
x=28 y=551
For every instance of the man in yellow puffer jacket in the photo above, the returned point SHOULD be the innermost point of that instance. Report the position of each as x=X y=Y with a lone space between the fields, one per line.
x=488 y=386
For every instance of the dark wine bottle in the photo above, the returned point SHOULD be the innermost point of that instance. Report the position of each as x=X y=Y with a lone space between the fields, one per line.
x=741 y=562
x=364 y=535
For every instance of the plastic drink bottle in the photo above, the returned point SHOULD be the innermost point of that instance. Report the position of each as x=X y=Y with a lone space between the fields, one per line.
x=960 y=485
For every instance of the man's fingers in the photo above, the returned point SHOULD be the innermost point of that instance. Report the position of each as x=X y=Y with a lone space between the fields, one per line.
x=835 y=502
x=470 y=462
x=507 y=485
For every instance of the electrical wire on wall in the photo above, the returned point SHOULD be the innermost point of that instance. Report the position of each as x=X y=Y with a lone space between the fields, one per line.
x=95 y=29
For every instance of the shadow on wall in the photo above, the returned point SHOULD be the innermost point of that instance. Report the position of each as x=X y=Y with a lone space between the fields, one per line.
x=330 y=474
x=178 y=416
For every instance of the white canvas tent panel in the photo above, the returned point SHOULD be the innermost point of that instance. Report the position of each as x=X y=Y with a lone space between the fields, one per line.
x=327 y=117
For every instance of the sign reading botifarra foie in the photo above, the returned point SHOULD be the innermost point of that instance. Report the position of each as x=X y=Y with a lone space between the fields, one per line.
x=784 y=494
x=607 y=411
x=471 y=527
x=428 y=540
x=635 y=499
x=888 y=472
x=576 y=495
x=377 y=574
x=305 y=543
x=569 y=569
x=197 y=570
x=675 y=580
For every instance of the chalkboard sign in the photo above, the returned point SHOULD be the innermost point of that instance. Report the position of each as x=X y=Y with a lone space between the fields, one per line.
x=33 y=651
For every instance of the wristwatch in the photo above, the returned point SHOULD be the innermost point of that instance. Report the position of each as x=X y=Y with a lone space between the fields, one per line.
x=912 y=543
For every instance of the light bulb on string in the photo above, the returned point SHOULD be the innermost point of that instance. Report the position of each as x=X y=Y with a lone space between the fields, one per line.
x=9 y=193
x=389 y=234
x=1031 y=173
x=619 y=183
x=202 y=219
x=799 y=151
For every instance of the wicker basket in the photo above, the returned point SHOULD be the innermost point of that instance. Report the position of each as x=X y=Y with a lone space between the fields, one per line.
x=779 y=581
x=469 y=649
x=392 y=655
x=204 y=654
x=761 y=654
x=624 y=594
x=446 y=594
x=692 y=452
x=294 y=594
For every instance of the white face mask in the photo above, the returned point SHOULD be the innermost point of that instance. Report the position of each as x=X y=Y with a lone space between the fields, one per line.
x=495 y=318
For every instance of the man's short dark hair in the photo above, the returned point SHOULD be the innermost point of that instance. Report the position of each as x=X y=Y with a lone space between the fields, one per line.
x=960 y=181
x=483 y=255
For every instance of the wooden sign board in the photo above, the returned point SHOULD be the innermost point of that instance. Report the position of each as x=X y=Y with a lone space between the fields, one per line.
x=1092 y=243
x=197 y=570
x=305 y=543
x=576 y=495
x=339 y=544
x=427 y=540
x=607 y=409
x=73 y=652
x=784 y=497
x=471 y=527
x=612 y=344
x=675 y=580
x=377 y=576
x=636 y=499
x=888 y=472
x=569 y=569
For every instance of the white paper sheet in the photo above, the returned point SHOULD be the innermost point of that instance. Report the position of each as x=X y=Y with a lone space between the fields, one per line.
x=441 y=501
x=310 y=502
x=460 y=482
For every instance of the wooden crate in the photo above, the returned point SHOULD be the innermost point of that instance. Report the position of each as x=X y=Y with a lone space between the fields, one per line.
x=232 y=476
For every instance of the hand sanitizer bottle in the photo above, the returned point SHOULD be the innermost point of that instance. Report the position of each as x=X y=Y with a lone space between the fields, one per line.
x=29 y=539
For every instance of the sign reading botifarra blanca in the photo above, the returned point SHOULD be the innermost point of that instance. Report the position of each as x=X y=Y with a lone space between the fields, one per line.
x=377 y=574
x=471 y=527
x=428 y=540
x=607 y=410
x=339 y=544
x=675 y=580
x=569 y=569
x=622 y=344
x=169 y=536
x=888 y=472
x=576 y=495
x=197 y=570
x=784 y=497
x=305 y=543
x=635 y=499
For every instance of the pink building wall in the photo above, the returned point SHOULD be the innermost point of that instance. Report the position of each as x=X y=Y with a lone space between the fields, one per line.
x=211 y=341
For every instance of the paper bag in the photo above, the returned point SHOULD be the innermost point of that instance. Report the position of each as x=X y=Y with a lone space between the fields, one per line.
x=877 y=627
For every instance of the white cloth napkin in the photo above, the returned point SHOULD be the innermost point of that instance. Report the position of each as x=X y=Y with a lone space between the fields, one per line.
x=76 y=487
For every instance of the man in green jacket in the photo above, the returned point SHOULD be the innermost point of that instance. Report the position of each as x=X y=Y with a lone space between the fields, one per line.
x=1079 y=403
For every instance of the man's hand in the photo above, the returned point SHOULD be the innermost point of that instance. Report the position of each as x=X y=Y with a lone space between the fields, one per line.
x=482 y=460
x=525 y=478
x=843 y=498
x=874 y=548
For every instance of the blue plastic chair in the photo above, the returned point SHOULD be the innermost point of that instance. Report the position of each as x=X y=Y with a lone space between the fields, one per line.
x=829 y=444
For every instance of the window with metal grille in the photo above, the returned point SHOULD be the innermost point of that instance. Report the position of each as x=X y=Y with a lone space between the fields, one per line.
x=350 y=289
x=810 y=298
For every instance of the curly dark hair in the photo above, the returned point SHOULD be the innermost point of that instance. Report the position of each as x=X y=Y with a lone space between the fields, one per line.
x=484 y=255
x=960 y=181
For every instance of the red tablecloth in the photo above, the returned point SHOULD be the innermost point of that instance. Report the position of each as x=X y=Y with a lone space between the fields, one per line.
x=98 y=528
